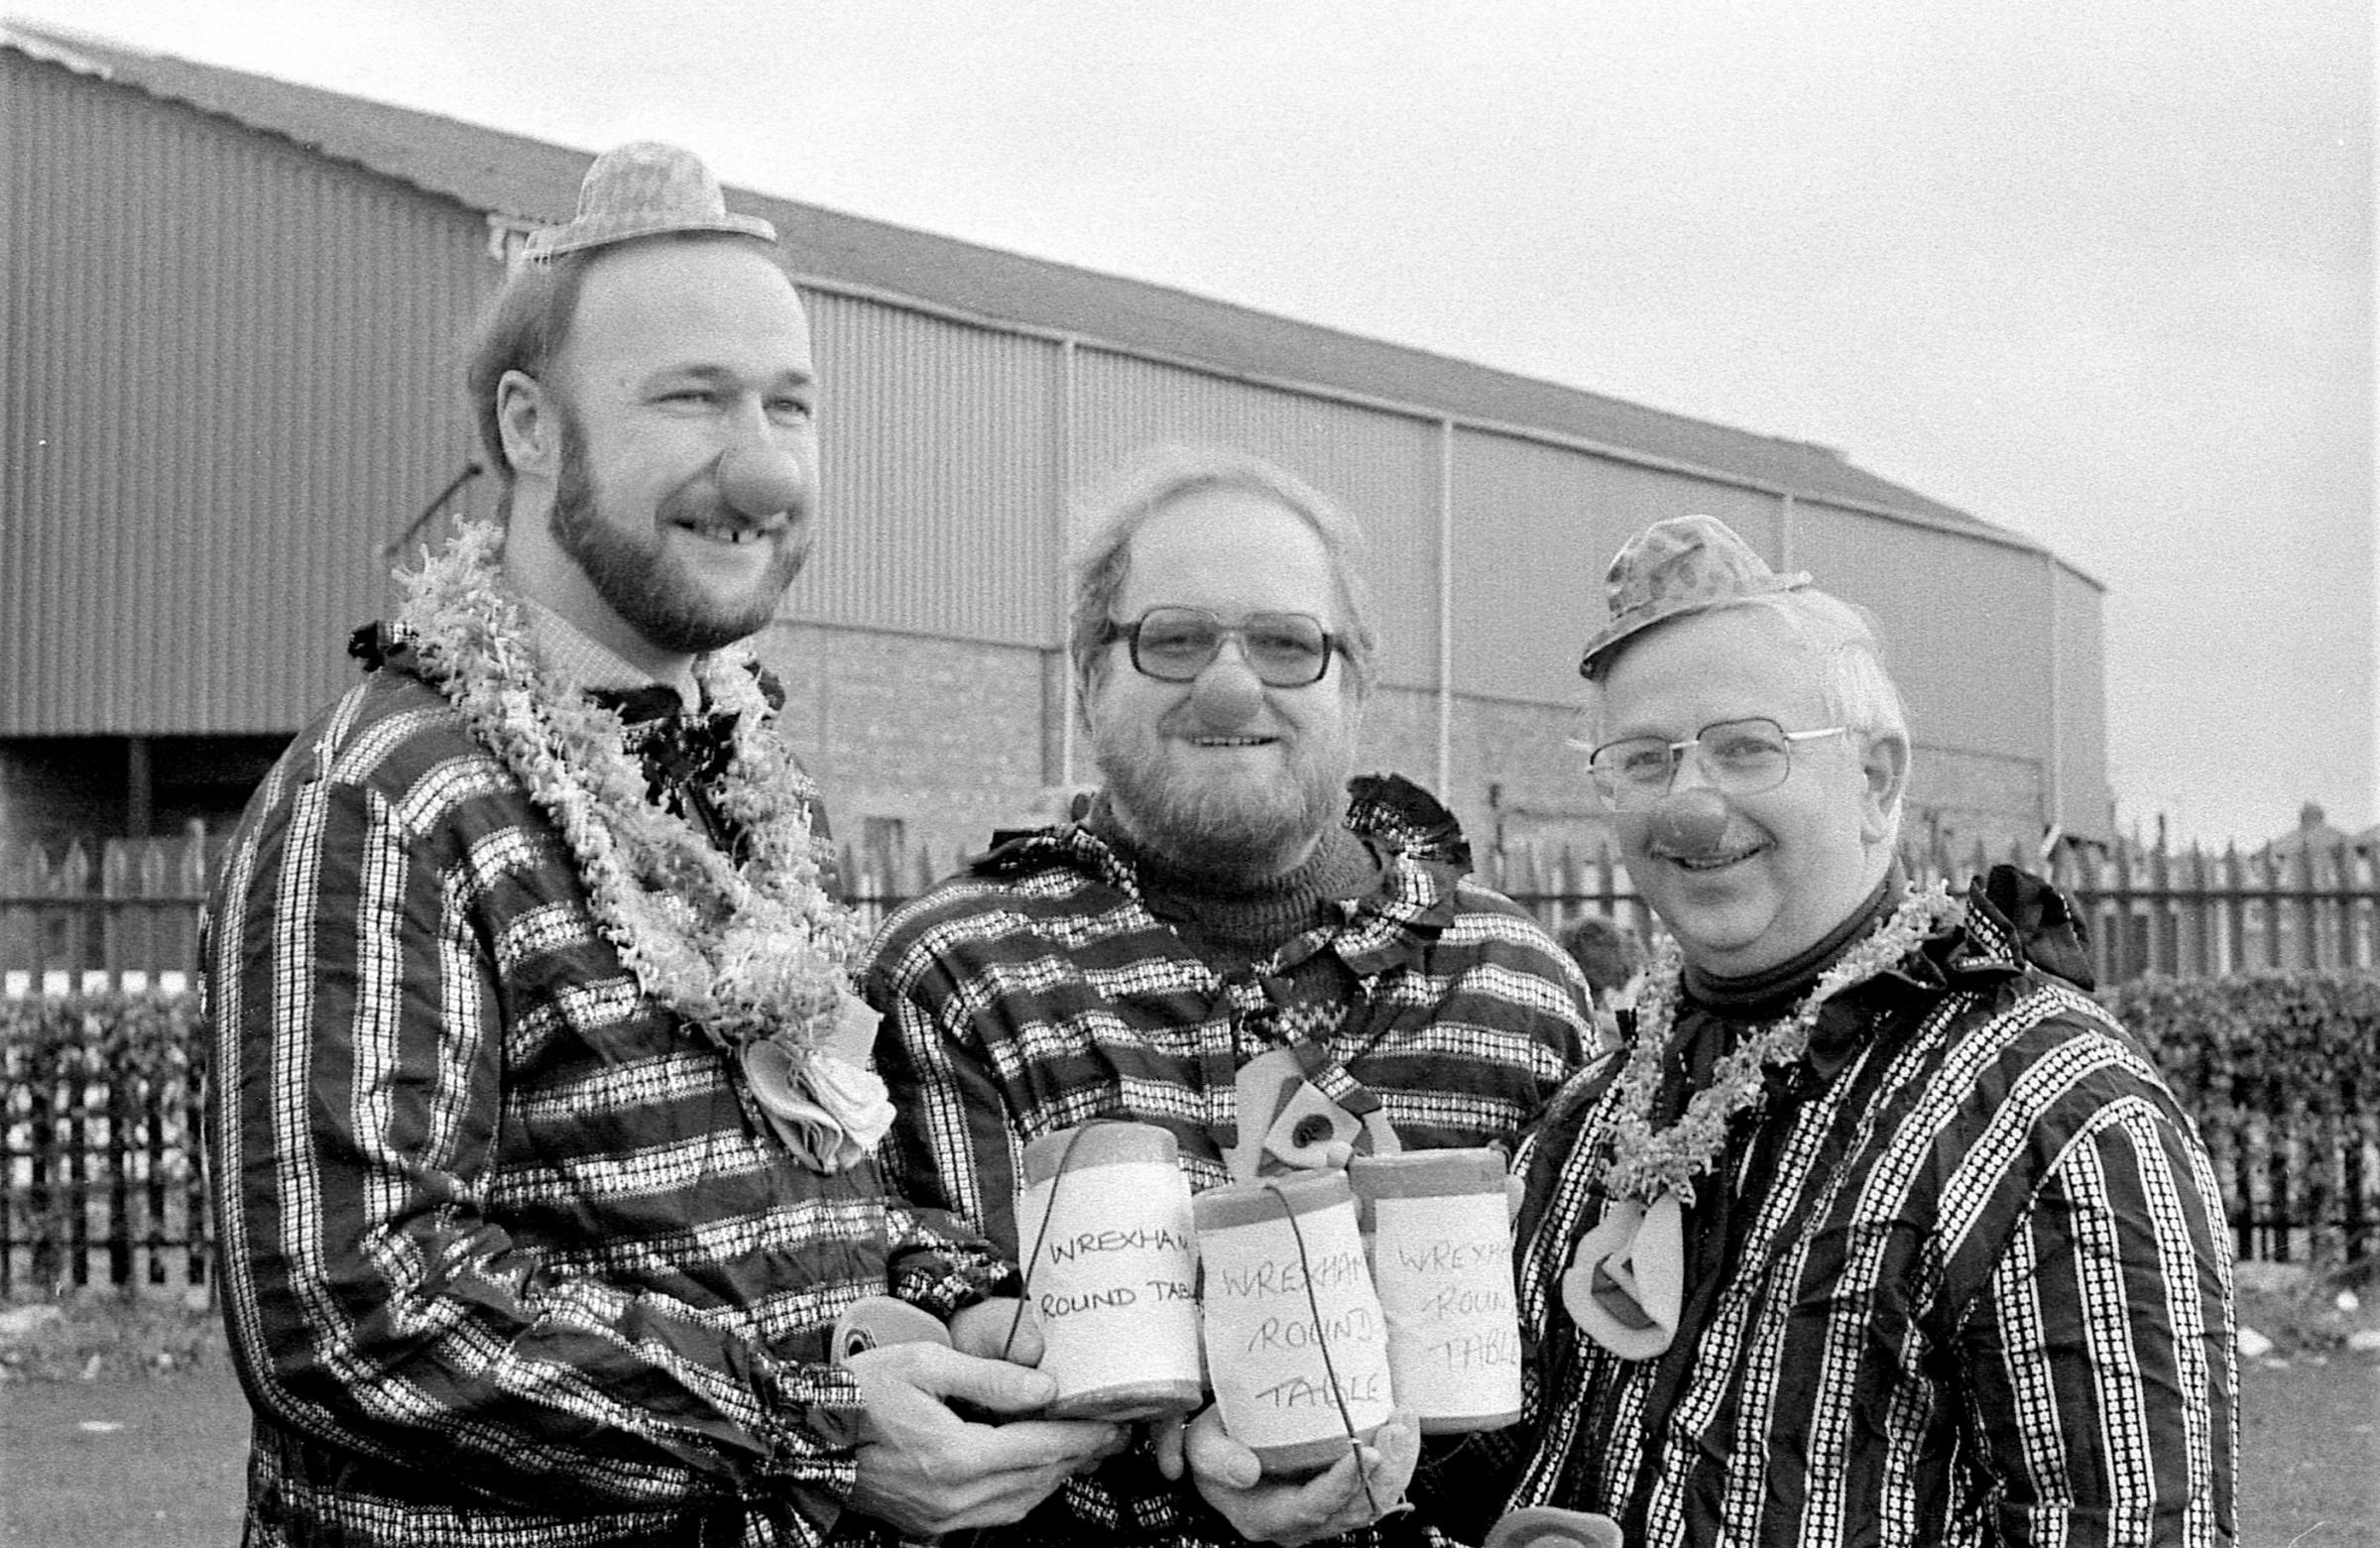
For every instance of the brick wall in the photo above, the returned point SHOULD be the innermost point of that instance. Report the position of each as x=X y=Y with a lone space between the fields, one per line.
x=1963 y=797
x=951 y=738
x=942 y=736
x=954 y=739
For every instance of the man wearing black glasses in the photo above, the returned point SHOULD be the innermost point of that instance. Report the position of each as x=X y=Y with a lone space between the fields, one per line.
x=1880 y=1231
x=1281 y=967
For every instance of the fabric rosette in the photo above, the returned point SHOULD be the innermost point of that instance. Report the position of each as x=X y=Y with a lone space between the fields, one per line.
x=825 y=1102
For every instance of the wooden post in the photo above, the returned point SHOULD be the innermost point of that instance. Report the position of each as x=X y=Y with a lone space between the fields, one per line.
x=1574 y=885
x=2365 y=928
x=75 y=1066
x=2131 y=866
x=2235 y=915
x=2259 y=947
x=197 y=1260
x=2309 y=931
x=119 y=922
x=117 y=1165
x=14 y=1081
x=192 y=874
x=2190 y=914
x=45 y=1219
x=157 y=1091
x=2157 y=914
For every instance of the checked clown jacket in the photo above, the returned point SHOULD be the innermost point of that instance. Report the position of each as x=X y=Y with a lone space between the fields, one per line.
x=1038 y=991
x=506 y=1260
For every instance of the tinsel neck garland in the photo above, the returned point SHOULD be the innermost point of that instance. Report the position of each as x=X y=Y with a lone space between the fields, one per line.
x=1644 y=1164
x=746 y=951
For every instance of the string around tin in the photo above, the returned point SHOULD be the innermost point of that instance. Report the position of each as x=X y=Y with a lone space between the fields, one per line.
x=1322 y=1342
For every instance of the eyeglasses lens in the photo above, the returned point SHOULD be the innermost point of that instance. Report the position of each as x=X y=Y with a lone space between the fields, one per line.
x=1738 y=756
x=1283 y=649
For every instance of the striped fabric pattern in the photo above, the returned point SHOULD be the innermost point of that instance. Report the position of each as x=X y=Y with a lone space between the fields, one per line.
x=1038 y=992
x=1984 y=1297
x=504 y=1260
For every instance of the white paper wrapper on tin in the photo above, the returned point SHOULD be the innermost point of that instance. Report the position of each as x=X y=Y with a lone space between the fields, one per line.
x=1266 y=1345
x=1114 y=1278
x=1443 y=1266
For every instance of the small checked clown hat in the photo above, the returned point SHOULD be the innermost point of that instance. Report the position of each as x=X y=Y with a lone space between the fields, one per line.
x=1683 y=565
x=643 y=189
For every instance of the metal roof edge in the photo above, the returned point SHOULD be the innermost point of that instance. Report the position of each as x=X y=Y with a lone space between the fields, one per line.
x=54 y=45
x=121 y=64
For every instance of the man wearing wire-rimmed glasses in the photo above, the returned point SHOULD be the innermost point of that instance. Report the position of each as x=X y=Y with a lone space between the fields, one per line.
x=1236 y=942
x=1879 y=1229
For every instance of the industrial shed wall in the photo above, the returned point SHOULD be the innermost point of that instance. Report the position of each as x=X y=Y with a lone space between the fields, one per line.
x=1966 y=624
x=228 y=376
x=1535 y=527
x=939 y=498
x=231 y=377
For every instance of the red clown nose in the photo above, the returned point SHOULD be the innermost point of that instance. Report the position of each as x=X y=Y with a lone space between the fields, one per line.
x=759 y=481
x=1690 y=822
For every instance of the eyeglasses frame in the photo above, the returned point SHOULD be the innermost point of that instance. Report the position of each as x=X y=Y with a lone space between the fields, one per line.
x=1332 y=643
x=1678 y=751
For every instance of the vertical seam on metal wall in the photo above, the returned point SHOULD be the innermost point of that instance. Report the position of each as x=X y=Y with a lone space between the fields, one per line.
x=2055 y=785
x=1061 y=481
x=1446 y=609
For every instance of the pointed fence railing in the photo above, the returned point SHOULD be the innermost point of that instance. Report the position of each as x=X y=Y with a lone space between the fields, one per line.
x=100 y=1169
x=122 y=914
x=2187 y=913
x=102 y=914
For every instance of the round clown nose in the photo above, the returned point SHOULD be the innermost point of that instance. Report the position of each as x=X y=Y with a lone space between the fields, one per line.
x=760 y=480
x=1226 y=699
x=1690 y=822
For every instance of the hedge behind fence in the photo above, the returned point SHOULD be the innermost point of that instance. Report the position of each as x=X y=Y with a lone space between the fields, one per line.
x=100 y=1118
x=2282 y=1071
x=99 y=1135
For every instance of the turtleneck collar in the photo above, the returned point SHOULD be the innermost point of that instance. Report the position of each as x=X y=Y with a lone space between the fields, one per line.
x=1772 y=991
x=1240 y=921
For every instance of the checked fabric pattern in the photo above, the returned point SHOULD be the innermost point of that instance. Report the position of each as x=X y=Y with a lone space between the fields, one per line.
x=1038 y=991
x=504 y=1260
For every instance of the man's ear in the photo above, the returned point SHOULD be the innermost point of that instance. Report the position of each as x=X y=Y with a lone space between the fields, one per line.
x=1884 y=763
x=1087 y=682
x=1357 y=690
x=527 y=418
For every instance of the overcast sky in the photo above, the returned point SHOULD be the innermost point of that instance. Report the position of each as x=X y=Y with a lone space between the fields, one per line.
x=2100 y=273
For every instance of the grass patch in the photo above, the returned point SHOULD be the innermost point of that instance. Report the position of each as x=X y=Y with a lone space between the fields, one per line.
x=2308 y=1313
x=87 y=1334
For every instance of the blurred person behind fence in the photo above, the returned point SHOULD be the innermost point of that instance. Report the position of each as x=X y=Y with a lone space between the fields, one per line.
x=1609 y=955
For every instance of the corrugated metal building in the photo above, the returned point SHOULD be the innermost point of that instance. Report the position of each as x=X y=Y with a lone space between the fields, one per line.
x=232 y=338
